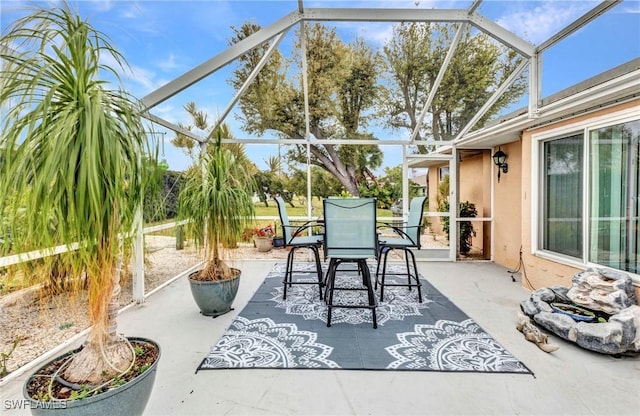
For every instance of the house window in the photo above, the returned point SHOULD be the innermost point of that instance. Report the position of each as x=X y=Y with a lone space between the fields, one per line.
x=563 y=183
x=603 y=227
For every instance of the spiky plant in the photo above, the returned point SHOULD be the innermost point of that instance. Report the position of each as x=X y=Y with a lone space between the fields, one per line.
x=216 y=198
x=73 y=148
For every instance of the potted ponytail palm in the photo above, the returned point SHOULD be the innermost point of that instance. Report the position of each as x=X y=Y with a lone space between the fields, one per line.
x=72 y=148
x=216 y=198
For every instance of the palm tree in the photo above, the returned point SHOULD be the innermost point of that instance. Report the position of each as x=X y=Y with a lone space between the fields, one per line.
x=199 y=120
x=73 y=148
x=274 y=165
x=221 y=172
x=216 y=198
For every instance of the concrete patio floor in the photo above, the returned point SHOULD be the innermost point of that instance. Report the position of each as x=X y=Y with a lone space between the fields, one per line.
x=570 y=381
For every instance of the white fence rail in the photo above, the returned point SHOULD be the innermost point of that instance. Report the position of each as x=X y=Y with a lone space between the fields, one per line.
x=137 y=260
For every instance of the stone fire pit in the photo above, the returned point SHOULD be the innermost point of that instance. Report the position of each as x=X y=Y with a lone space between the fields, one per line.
x=608 y=294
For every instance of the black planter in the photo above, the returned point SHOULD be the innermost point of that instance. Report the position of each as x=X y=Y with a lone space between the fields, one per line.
x=127 y=400
x=278 y=242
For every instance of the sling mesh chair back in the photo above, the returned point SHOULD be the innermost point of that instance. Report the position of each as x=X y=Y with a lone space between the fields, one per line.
x=295 y=238
x=406 y=238
x=350 y=237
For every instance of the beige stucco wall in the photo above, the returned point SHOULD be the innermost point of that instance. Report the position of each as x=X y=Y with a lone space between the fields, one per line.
x=540 y=272
x=508 y=197
x=512 y=206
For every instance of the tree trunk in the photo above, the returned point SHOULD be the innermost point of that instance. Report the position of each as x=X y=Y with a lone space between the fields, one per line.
x=339 y=171
x=106 y=354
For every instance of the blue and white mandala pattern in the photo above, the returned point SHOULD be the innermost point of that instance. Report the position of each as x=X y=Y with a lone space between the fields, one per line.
x=303 y=300
x=452 y=346
x=261 y=343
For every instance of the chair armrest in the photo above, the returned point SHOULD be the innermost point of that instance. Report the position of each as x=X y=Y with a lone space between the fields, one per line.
x=400 y=230
x=395 y=224
x=295 y=229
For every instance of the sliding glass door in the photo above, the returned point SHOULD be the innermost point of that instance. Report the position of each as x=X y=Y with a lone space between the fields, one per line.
x=614 y=184
x=590 y=201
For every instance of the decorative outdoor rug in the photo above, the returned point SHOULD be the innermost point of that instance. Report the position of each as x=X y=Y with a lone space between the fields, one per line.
x=432 y=336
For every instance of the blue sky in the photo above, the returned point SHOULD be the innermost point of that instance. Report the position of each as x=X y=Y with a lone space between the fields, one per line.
x=163 y=39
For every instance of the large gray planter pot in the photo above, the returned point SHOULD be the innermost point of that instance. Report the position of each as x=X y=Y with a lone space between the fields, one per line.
x=127 y=400
x=214 y=298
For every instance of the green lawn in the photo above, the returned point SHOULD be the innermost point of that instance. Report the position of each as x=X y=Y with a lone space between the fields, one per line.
x=300 y=210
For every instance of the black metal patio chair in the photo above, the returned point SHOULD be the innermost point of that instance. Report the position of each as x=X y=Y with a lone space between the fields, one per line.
x=350 y=237
x=295 y=240
x=408 y=237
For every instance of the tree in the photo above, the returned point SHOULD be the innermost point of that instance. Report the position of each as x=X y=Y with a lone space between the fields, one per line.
x=270 y=181
x=153 y=207
x=201 y=122
x=270 y=184
x=342 y=87
x=274 y=165
x=73 y=148
x=389 y=187
x=161 y=198
x=413 y=58
x=410 y=61
x=216 y=198
x=323 y=184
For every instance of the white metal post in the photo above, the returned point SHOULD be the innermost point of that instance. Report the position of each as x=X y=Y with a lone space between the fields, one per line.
x=138 y=258
x=535 y=84
x=453 y=204
x=405 y=183
x=307 y=132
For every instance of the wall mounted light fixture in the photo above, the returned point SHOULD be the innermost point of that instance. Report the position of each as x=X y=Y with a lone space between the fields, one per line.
x=500 y=160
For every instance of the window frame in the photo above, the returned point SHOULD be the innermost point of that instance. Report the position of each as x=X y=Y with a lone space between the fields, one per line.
x=537 y=183
x=543 y=190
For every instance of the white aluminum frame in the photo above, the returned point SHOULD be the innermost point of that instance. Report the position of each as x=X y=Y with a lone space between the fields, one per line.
x=630 y=114
x=276 y=31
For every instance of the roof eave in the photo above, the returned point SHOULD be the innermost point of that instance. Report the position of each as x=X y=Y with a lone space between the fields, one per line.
x=620 y=84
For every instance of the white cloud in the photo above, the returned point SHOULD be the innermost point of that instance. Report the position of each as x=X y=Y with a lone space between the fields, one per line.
x=168 y=112
x=631 y=7
x=144 y=78
x=100 y=5
x=14 y=6
x=139 y=81
x=379 y=35
x=376 y=33
x=170 y=63
x=541 y=22
x=389 y=3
